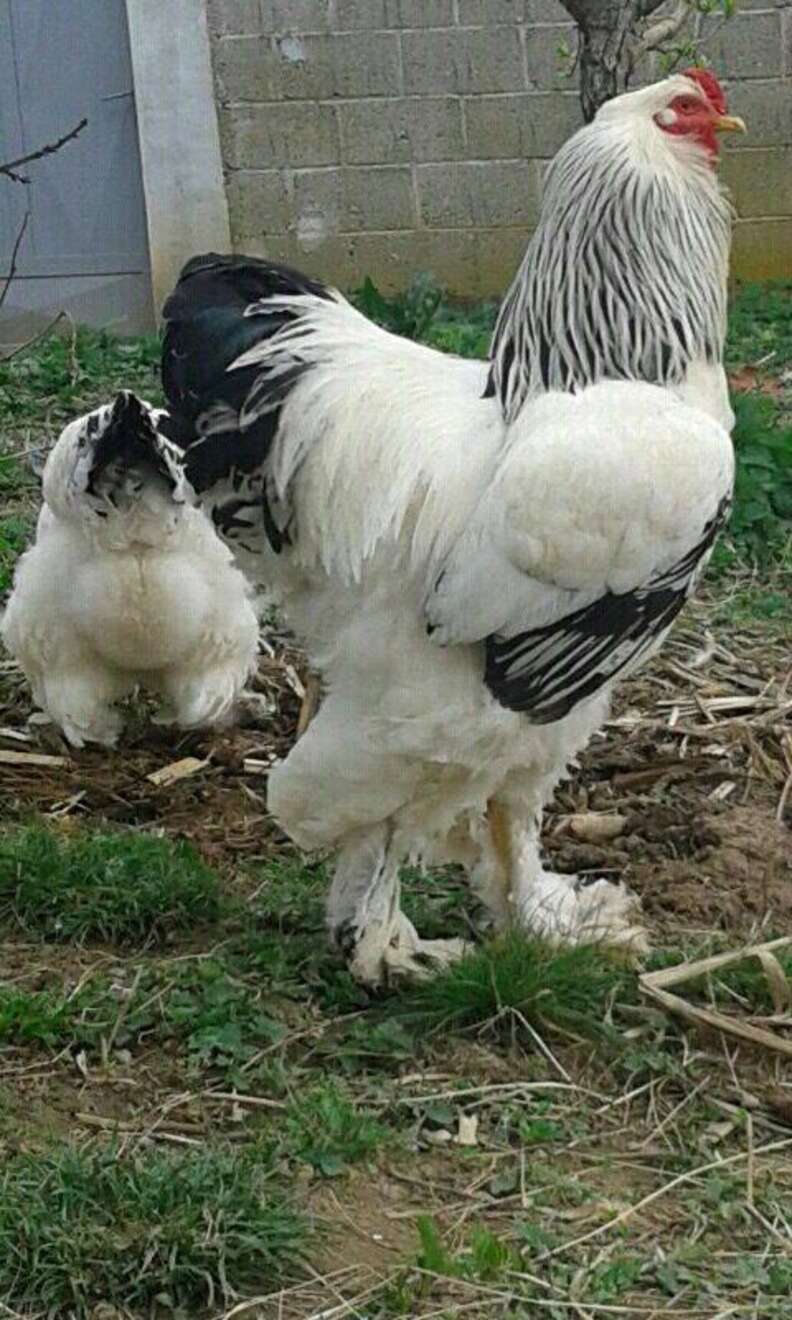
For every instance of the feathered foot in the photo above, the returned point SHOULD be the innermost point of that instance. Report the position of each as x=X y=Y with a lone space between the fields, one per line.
x=252 y=708
x=566 y=910
x=382 y=955
x=379 y=943
x=81 y=705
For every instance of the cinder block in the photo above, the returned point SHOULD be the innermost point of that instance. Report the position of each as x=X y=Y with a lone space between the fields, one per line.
x=546 y=65
x=295 y=15
x=545 y=11
x=462 y=61
x=393 y=14
x=525 y=125
x=291 y=133
x=765 y=107
x=378 y=198
x=475 y=13
x=762 y=250
x=419 y=13
x=760 y=181
x=258 y=204
x=786 y=33
x=308 y=68
x=498 y=256
x=393 y=260
x=479 y=193
x=343 y=201
x=234 y=16
x=359 y=14
x=748 y=46
x=388 y=131
x=332 y=259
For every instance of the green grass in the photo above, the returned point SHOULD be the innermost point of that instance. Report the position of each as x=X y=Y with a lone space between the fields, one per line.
x=141 y=1231
x=760 y=323
x=14 y=535
x=515 y=978
x=221 y=1021
x=89 y=886
x=41 y=1018
x=761 y=521
x=58 y=379
x=325 y=1127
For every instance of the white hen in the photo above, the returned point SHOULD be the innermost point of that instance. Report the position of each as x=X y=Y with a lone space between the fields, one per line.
x=126 y=584
x=473 y=555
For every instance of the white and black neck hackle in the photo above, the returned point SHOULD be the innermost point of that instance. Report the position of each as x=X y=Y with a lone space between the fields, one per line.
x=625 y=276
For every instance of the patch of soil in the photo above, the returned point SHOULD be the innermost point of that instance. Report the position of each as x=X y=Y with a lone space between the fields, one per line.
x=743 y=878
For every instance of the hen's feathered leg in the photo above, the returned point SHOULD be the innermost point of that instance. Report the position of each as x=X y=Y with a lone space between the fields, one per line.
x=80 y=700
x=365 y=919
x=563 y=909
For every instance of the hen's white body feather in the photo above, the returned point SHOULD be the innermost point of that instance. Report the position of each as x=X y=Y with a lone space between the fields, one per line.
x=146 y=594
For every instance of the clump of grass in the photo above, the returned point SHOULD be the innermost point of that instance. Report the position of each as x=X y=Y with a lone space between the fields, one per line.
x=762 y=516
x=410 y=313
x=326 y=1129
x=63 y=376
x=34 y=1018
x=115 y=887
x=569 y=988
x=760 y=324
x=222 y=1021
x=82 y=1227
x=14 y=536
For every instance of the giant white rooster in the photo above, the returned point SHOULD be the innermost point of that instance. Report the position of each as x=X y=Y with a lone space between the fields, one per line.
x=472 y=552
x=127 y=584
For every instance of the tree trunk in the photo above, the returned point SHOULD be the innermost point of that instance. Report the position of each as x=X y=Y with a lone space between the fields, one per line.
x=609 y=32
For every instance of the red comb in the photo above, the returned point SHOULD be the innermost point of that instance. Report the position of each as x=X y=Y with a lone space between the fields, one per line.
x=710 y=87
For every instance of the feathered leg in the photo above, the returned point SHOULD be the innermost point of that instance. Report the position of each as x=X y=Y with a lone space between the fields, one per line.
x=365 y=919
x=80 y=702
x=201 y=698
x=563 y=909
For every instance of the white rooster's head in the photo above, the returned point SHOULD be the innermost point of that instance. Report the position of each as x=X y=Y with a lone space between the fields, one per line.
x=682 y=115
x=115 y=473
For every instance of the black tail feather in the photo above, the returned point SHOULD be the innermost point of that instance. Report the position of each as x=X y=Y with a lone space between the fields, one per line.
x=218 y=311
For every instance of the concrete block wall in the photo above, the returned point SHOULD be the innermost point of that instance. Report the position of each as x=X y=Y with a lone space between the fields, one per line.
x=385 y=137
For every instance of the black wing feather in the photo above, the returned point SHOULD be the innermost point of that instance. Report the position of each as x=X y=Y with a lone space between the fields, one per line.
x=545 y=672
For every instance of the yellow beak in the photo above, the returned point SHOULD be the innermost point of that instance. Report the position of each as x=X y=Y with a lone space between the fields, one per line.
x=730 y=124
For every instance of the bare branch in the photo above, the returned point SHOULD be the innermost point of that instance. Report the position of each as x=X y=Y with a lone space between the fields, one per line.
x=9 y=168
x=14 y=254
x=663 y=31
x=21 y=348
x=647 y=7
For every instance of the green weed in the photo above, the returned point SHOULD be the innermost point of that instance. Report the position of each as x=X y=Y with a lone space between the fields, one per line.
x=221 y=1021
x=761 y=521
x=116 y=887
x=155 y=1229
x=14 y=536
x=325 y=1128
x=410 y=313
x=62 y=377
x=760 y=324
x=42 y=1018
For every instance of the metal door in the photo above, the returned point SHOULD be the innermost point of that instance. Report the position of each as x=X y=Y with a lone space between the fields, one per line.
x=85 y=248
